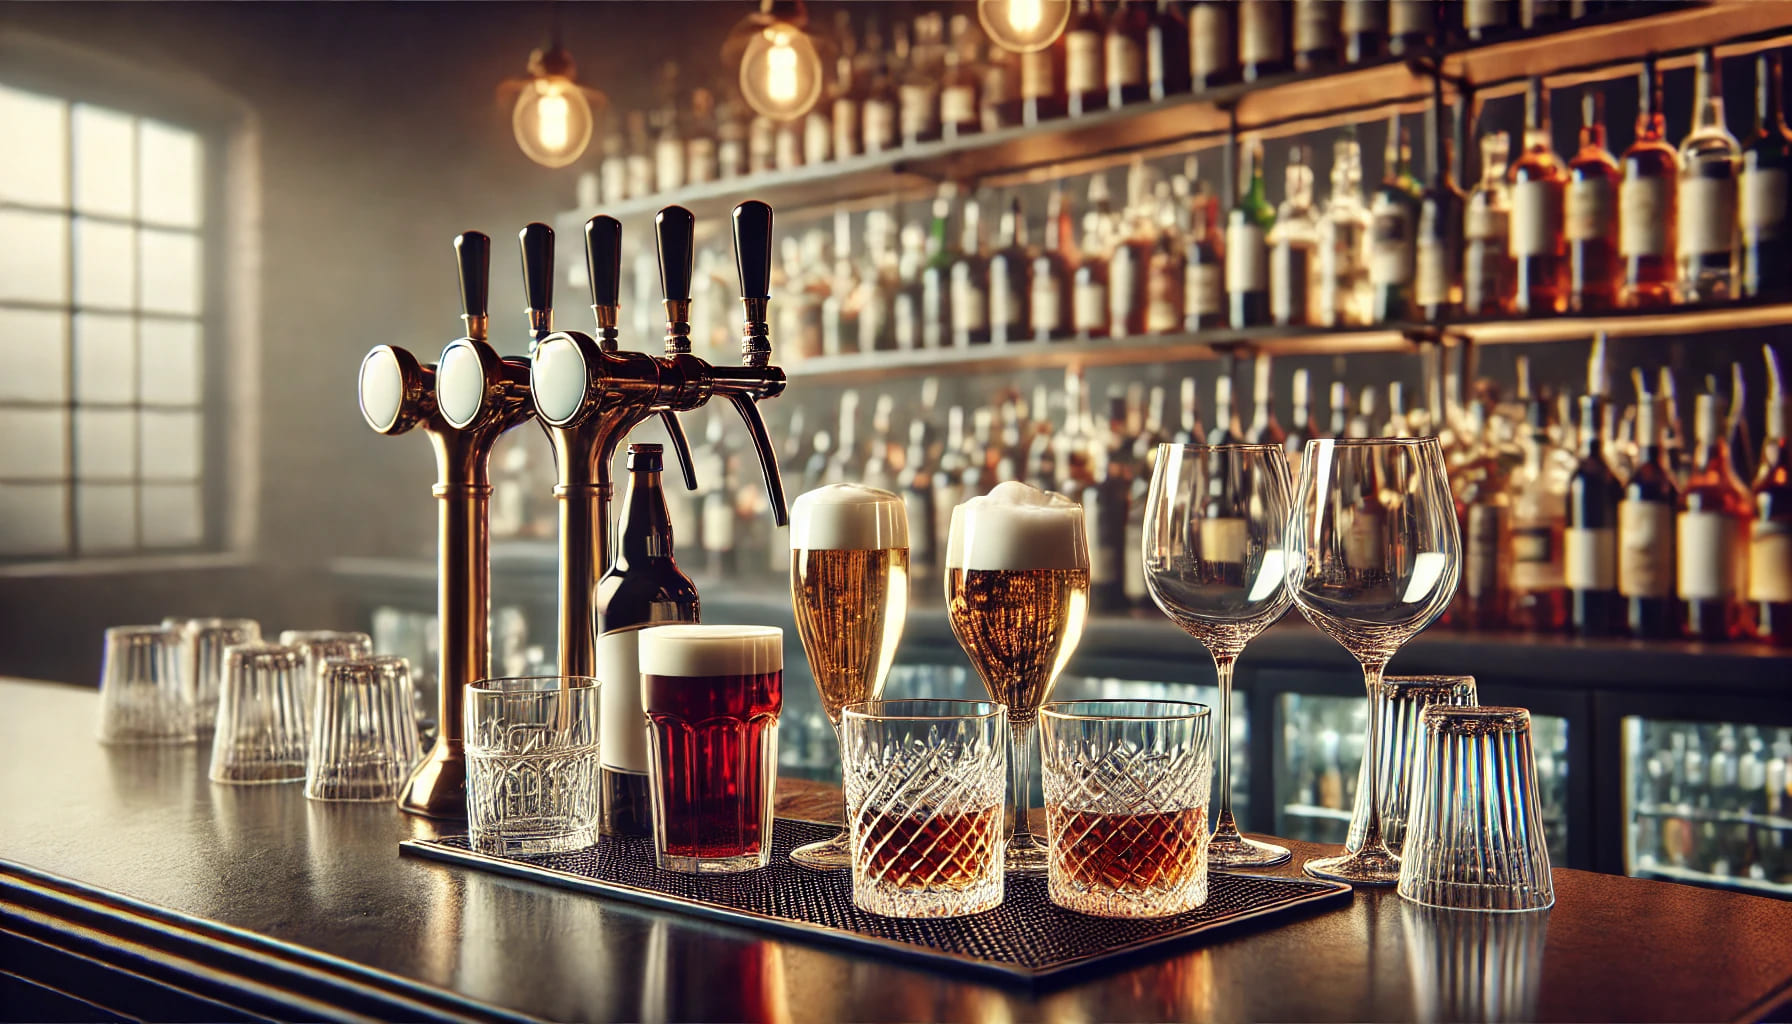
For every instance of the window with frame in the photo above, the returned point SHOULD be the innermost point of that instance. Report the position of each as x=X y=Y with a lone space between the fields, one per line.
x=103 y=328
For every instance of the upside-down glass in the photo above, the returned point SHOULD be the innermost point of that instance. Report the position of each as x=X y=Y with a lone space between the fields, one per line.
x=1401 y=701
x=363 y=733
x=1017 y=576
x=532 y=746
x=849 y=591
x=209 y=638
x=1373 y=557
x=260 y=734
x=924 y=783
x=319 y=644
x=1212 y=552
x=1474 y=836
x=144 y=694
x=1127 y=785
x=1474 y=967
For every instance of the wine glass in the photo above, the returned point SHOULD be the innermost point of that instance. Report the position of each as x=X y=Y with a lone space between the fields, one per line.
x=1213 y=552
x=1373 y=557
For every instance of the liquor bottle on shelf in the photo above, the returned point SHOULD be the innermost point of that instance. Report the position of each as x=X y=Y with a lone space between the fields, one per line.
x=949 y=488
x=1646 y=202
x=1770 y=539
x=969 y=277
x=1166 y=52
x=884 y=457
x=1706 y=221
x=1487 y=278
x=1129 y=258
x=1049 y=283
x=1766 y=168
x=731 y=135
x=1041 y=96
x=700 y=159
x=918 y=93
x=1263 y=38
x=1247 y=249
x=936 y=275
x=879 y=283
x=1008 y=285
x=1646 y=533
x=643 y=586
x=787 y=145
x=1484 y=20
x=1674 y=449
x=1712 y=534
x=1204 y=265
x=1089 y=283
x=1225 y=421
x=818 y=124
x=1316 y=28
x=1412 y=26
x=1106 y=511
x=1338 y=423
x=1590 y=540
x=1399 y=423
x=1291 y=247
x=1301 y=425
x=1164 y=275
x=1437 y=267
x=880 y=107
x=1539 y=179
x=1538 y=597
x=640 y=156
x=919 y=486
x=1123 y=52
x=1362 y=422
x=1393 y=232
x=1736 y=431
x=1344 y=299
x=1212 y=44
x=612 y=170
x=851 y=85
x=1188 y=414
x=1263 y=429
x=840 y=309
x=1365 y=29
x=1085 y=86
x=1483 y=503
x=906 y=310
x=960 y=105
x=1591 y=214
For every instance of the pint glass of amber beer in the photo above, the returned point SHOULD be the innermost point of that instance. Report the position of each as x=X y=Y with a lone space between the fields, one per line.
x=712 y=695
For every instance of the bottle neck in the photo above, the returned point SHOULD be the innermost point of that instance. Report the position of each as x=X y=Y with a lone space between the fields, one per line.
x=1710 y=91
x=645 y=529
x=1769 y=119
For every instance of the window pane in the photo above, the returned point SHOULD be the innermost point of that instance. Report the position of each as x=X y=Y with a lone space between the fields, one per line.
x=34 y=137
x=34 y=445
x=170 y=272
x=171 y=371
x=32 y=347
x=170 y=446
x=33 y=519
x=106 y=517
x=105 y=358
x=105 y=444
x=33 y=255
x=105 y=160
x=172 y=516
x=171 y=171
x=105 y=264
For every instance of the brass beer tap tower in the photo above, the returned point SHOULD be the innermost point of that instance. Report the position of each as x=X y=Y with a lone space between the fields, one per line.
x=588 y=393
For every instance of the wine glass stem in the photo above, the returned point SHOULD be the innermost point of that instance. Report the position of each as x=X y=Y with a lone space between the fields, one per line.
x=1020 y=766
x=1224 y=825
x=1372 y=837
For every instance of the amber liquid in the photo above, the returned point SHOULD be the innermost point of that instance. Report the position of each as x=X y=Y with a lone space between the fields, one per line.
x=1126 y=851
x=713 y=742
x=850 y=609
x=1019 y=627
x=935 y=849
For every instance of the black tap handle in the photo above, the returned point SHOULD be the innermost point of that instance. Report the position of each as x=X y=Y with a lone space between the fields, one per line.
x=676 y=229
x=603 y=259
x=681 y=447
x=768 y=455
x=753 y=249
x=473 y=253
x=538 y=272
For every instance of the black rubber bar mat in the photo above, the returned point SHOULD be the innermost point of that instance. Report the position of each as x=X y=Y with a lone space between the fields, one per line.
x=1026 y=939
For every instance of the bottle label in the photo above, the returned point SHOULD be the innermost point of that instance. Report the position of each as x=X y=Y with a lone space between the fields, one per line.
x=668 y=164
x=958 y=105
x=613 y=174
x=1007 y=302
x=1290 y=282
x=1045 y=307
x=1536 y=218
x=1590 y=558
x=1125 y=61
x=718 y=522
x=1713 y=560
x=818 y=138
x=1707 y=216
x=1247 y=262
x=1037 y=77
x=919 y=109
x=970 y=307
x=1770 y=561
x=1411 y=17
x=622 y=728
x=1645 y=206
x=880 y=126
x=1431 y=273
x=1645 y=549
x=1163 y=298
x=1123 y=283
x=1391 y=251
x=1364 y=16
x=1205 y=288
x=1485 y=222
x=700 y=160
x=1260 y=32
x=846 y=128
x=1480 y=14
x=731 y=158
x=1090 y=300
x=788 y=150
x=1210 y=41
x=1481 y=575
x=1590 y=209
x=1104 y=561
x=1315 y=30
x=1224 y=541
x=907 y=318
x=1082 y=62
x=1534 y=564
x=1763 y=197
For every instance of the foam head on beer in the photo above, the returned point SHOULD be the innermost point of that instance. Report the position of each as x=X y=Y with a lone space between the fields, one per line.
x=1017 y=526
x=847 y=517
x=692 y=650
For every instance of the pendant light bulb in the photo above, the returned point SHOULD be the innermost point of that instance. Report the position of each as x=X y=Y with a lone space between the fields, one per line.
x=552 y=117
x=780 y=72
x=1023 y=26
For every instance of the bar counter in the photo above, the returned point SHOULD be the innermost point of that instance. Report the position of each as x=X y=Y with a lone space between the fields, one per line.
x=136 y=886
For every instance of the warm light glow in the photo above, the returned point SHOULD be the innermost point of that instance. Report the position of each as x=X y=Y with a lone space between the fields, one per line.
x=780 y=73
x=551 y=115
x=552 y=121
x=781 y=70
x=1023 y=26
x=1024 y=16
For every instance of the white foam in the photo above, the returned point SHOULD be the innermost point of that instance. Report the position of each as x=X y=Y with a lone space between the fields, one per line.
x=1016 y=526
x=847 y=517
x=698 y=650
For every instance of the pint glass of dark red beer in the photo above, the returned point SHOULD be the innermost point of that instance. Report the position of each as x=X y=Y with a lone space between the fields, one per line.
x=712 y=695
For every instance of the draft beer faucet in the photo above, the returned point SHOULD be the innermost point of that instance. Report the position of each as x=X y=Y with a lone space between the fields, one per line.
x=397 y=394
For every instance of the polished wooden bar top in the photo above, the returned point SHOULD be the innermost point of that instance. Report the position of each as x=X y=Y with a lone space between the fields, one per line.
x=321 y=891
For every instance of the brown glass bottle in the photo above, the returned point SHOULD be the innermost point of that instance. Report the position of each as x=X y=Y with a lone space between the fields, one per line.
x=1212 y=44
x=1646 y=210
x=1166 y=52
x=1766 y=240
x=1049 y=284
x=1265 y=30
x=1123 y=48
x=1590 y=541
x=1008 y=284
x=1365 y=30
x=1204 y=265
x=1770 y=538
x=1316 y=28
x=1085 y=83
x=1712 y=535
x=1539 y=181
x=1591 y=214
x=1041 y=84
x=1646 y=533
